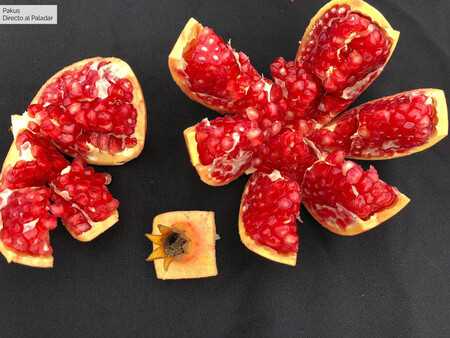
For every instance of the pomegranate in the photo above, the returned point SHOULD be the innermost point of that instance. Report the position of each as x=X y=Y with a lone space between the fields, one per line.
x=302 y=140
x=83 y=202
x=268 y=217
x=93 y=108
x=184 y=245
x=389 y=127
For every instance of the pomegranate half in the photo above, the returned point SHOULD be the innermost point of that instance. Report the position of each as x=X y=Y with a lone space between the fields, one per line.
x=93 y=109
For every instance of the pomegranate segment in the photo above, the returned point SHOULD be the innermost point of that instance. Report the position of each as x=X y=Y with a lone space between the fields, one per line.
x=86 y=191
x=341 y=194
x=389 y=127
x=209 y=70
x=269 y=211
x=222 y=149
x=26 y=221
x=286 y=152
x=37 y=162
x=346 y=47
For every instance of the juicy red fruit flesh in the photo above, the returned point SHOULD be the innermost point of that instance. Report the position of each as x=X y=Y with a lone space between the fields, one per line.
x=217 y=73
x=269 y=212
x=334 y=186
x=345 y=51
x=87 y=105
x=382 y=127
x=227 y=144
x=47 y=162
x=302 y=89
x=27 y=221
x=85 y=189
x=286 y=152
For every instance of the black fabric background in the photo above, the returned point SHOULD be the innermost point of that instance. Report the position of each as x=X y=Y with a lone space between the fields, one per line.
x=391 y=282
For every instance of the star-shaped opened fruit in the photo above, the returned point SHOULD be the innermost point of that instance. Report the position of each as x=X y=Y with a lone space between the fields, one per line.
x=93 y=111
x=184 y=245
x=294 y=133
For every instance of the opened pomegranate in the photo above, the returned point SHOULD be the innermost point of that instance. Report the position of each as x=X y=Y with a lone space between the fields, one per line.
x=93 y=109
x=389 y=127
x=268 y=218
x=83 y=201
x=301 y=136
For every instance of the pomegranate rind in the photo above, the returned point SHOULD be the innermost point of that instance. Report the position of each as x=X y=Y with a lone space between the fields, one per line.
x=199 y=261
x=202 y=170
x=94 y=155
x=441 y=128
x=360 y=226
x=11 y=158
x=97 y=228
x=19 y=258
x=259 y=249
x=177 y=64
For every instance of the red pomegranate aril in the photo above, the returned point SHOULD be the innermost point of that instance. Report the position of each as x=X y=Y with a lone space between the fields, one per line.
x=301 y=88
x=269 y=212
x=286 y=152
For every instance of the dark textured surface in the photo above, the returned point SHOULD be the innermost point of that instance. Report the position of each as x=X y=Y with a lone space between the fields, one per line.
x=393 y=281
